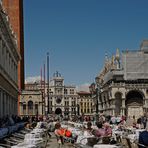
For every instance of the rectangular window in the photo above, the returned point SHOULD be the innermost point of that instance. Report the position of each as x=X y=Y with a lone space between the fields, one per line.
x=65 y=91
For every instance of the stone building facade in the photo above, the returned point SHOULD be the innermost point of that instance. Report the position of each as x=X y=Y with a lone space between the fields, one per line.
x=60 y=99
x=14 y=9
x=9 y=58
x=31 y=101
x=86 y=103
x=123 y=83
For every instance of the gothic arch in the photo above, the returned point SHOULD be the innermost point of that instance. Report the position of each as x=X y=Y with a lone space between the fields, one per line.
x=30 y=107
x=118 y=92
x=134 y=103
x=134 y=96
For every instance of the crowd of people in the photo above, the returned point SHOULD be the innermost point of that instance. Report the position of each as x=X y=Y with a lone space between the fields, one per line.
x=104 y=124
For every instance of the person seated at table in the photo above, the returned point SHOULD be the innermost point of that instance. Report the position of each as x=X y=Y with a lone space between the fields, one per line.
x=108 y=130
x=100 y=132
x=59 y=132
x=89 y=128
x=122 y=125
x=143 y=138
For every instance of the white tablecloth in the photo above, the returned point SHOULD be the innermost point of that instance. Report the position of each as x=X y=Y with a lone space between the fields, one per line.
x=132 y=137
x=83 y=139
x=105 y=146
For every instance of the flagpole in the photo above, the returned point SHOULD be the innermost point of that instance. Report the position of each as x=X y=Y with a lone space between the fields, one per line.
x=42 y=93
x=45 y=108
x=48 y=81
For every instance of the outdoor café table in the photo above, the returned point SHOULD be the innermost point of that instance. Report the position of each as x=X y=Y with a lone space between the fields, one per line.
x=118 y=132
x=75 y=131
x=132 y=137
x=138 y=131
x=135 y=135
x=105 y=146
x=83 y=139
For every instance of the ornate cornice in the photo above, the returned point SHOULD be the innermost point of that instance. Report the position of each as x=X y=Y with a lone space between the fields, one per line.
x=7 y=32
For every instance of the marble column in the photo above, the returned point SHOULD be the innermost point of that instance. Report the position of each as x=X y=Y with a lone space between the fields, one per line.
x=4 y=104
x=113 y=112
x=70 y=104
x=26 y=108
x=1 y=109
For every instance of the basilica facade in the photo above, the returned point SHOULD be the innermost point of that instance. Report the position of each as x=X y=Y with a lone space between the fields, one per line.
x=123 y=83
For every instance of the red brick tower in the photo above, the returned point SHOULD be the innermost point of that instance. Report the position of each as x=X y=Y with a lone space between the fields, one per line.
x=14 y=9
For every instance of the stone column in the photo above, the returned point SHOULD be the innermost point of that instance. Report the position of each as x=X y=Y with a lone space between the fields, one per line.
x=33 y=109
x=8 y=104
x=13 y=105
x=1 y=104
x=123 y=107
x=26 y=108
x=70 y=106
x=4 y=103
x=0 y=51
x=113 y=112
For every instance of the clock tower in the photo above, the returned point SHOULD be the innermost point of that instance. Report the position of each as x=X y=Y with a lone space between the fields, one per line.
x=63 y=98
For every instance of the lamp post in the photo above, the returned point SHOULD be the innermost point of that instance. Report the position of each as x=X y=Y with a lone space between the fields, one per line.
x=98 y=93
x=78 y=109
x=97 y=109
x=95 y=94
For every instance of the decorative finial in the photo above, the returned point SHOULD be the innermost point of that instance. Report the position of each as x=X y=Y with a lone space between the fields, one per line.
x=106 y=57
x=117 y=54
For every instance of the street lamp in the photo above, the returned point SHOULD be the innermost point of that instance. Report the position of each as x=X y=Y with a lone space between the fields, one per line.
x=94 y=91
x=78 y=109
x=97 y=104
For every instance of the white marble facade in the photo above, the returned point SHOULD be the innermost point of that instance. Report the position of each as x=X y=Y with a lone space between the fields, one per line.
x=121 y=91
x=31 y=103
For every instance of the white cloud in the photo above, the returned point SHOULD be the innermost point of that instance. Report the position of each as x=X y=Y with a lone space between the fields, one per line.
x=83 y=87
x=33 y=79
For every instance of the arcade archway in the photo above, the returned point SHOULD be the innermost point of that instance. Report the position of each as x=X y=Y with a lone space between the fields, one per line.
x=134 y=103
x=58 y=111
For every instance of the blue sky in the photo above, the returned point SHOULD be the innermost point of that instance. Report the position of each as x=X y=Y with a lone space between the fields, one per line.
x=77 y=33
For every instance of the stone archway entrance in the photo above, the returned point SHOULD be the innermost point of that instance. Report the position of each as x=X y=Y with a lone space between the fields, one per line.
x=134 y=104
x=58 y=111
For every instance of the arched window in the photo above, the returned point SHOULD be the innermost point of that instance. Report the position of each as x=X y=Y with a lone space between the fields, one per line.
x=24 y=109
x=36 y=109
x=30 y=107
